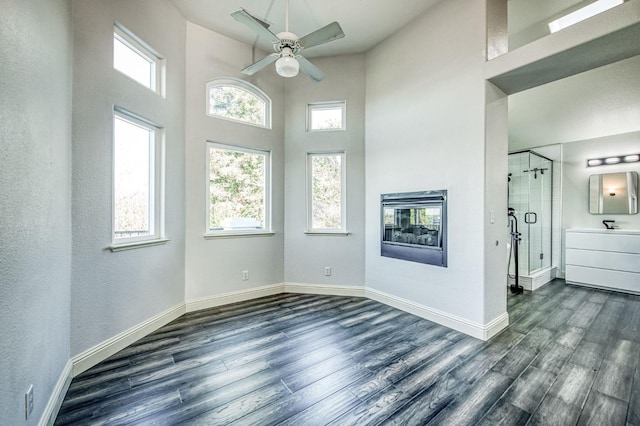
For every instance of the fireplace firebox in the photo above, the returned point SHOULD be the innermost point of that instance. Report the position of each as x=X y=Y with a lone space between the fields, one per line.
x=414 y=226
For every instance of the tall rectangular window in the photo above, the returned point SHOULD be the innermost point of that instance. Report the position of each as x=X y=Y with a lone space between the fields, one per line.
x=135 y=59
x=137 y=179
x=238 y=190
x=326 y=116
x=326 y=195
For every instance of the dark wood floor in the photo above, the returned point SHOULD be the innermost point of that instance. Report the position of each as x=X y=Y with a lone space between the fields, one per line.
x=569 y=357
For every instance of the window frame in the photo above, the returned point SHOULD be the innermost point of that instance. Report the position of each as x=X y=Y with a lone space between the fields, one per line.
x=326 y=105
x=267 y=230
x=156 y=183
x=247 y=87
x=138 y=46
x=343 y=194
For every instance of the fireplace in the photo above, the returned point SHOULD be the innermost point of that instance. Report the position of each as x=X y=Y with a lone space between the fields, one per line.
x=414 y=226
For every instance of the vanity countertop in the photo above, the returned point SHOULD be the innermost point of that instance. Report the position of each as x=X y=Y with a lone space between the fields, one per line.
x=606 y=231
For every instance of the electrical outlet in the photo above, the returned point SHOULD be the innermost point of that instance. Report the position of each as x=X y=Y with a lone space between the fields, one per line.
x=28 y=402
x=245 y=275
x=327 y=271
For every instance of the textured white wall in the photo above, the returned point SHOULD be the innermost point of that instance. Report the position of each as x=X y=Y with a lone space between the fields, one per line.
x=425 y=129
x=113 y=292
x=496 y=230
x=306 y=256
x=601 y=102
x=35 y=202
x=215 y=266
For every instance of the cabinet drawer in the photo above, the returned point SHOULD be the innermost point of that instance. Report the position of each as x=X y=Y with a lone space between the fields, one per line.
x=626 y=262
x=625 y=243
x=615 y=280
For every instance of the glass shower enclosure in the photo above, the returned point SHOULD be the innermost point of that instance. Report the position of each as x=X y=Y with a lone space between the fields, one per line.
x=530 y=195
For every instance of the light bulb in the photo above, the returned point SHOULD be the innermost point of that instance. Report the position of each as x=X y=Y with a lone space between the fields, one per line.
x=287 y=66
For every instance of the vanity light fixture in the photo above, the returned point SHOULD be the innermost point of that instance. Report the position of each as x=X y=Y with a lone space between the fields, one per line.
x=592 y=9
x=616 y=159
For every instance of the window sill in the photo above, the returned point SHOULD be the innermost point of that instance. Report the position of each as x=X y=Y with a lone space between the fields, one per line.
x=236 y=234
x=329 y=233
x=137 y=244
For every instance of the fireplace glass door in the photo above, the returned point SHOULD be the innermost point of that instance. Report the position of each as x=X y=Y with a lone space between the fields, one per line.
x=409 y=224
x=413 y=226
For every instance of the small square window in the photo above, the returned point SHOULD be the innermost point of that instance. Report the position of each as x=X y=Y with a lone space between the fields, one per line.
x=326 y=116
x=134 y=59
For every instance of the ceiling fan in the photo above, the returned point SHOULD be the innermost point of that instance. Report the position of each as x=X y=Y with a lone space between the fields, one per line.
x=288 y=46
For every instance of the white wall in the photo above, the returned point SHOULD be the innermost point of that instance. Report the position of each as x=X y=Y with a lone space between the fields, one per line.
x=214 y=266
x=306 y=256
x=425 y=129
x=35 y=202
x=597 y=103
x=113 y=292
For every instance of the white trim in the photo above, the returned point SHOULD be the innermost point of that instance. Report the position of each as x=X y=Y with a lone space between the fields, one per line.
x=57 y=396
x=238 y=234
x=494 y=327
x=139 y=244
x=329 y=233
x=342 y=105
x=233 y=297
x=479 y=331
x=104 y=350
x=327 y=289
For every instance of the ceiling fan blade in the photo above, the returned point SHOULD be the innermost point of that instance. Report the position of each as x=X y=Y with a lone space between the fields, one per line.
x=255 y=67
x=328 y=33
x=257 y=25
x=309 y=69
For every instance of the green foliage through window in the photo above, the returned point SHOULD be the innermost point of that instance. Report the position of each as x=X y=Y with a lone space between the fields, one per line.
x=326 y=191
x=231 y=101
x=237 y=189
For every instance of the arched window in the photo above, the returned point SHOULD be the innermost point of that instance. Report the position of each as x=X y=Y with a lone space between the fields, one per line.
x=237 y=100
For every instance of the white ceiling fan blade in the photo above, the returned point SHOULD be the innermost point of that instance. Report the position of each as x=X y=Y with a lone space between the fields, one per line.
x=328 y=33
x=309 y=69
x=257 y=25
x=255 y=67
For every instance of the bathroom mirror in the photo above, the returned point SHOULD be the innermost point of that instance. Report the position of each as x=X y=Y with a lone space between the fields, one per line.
x=613 y=193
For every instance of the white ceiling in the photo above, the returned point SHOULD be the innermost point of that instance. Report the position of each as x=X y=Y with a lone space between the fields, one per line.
x=364 y=22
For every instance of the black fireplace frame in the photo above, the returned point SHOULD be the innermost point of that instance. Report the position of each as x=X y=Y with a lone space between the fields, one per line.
x=436 y=255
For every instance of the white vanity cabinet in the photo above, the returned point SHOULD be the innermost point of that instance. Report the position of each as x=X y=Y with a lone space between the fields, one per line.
x=608 y=259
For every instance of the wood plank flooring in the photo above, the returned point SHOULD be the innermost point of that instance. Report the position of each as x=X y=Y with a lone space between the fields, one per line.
x=570 y=356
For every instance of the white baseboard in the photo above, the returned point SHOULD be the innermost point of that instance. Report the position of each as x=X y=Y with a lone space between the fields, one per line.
x=479 y=331
x=233 y=297
x=57 y=396
x=496 y=326
x=326 y=289
x=104 y=350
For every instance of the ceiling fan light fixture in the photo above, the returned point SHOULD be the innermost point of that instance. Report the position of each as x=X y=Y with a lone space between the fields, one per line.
x=287 y=66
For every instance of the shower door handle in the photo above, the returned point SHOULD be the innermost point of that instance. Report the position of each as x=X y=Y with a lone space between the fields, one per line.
x=527 y=217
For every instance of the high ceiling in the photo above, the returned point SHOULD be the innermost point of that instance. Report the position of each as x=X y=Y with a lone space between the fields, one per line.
x=364 y=22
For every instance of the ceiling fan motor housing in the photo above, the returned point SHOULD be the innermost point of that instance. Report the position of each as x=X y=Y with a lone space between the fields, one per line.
x=289 y=40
